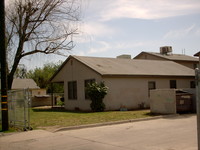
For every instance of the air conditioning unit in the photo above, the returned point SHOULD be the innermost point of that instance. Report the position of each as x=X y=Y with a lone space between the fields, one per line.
x=165 y=50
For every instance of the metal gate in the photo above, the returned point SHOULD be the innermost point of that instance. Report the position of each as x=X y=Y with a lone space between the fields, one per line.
x=18 y=108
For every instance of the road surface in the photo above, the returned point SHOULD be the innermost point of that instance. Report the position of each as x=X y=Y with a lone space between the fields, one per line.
x=174 y=133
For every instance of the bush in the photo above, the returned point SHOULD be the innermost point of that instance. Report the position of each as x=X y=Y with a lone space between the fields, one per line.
x=60 y=103
x=96 y=93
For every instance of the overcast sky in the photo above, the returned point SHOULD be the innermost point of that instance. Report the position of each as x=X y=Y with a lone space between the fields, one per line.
x=113 y=27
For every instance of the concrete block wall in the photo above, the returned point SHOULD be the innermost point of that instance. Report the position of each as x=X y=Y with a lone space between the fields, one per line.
x=163 y=101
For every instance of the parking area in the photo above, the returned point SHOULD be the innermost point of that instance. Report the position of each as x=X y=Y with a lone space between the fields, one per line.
x=173 y=133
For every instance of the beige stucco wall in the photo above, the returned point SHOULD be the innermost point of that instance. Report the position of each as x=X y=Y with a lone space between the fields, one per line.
x=126 y=93
x=130 y=92
x=76 y=71
x=59 y=76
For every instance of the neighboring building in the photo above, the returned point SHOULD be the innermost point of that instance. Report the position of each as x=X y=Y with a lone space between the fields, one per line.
x=38 y=96
x=129 y=80
x=166 y=54
x=19 y=84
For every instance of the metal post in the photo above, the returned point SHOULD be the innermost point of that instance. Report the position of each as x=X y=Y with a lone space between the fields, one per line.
x=52 y=97
x=24 y=104
x=4 y=101
x=197 y=75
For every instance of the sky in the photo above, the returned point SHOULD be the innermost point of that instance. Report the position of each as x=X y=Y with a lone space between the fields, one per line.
x=109 y=28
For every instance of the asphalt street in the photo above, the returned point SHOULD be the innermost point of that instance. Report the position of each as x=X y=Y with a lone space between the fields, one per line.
x=174 y=133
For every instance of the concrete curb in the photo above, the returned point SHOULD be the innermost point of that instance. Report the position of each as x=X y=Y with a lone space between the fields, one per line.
x=113 y=123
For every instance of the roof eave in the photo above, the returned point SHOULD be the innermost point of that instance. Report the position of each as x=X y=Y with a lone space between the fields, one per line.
x=147 y=76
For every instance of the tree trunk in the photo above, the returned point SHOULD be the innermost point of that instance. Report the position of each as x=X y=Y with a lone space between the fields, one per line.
x=12 y=72
x=10 y=81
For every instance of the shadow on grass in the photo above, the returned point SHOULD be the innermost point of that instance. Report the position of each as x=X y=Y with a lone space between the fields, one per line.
x=152 y=114
x=60 y=109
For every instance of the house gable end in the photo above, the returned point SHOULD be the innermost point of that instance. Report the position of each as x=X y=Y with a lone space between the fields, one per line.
x=53 y=78
x=146 y=55
x=57 y=77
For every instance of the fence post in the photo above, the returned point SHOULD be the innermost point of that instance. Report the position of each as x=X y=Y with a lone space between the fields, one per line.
x=197 y=78
x=29 y=102
x=25 y=99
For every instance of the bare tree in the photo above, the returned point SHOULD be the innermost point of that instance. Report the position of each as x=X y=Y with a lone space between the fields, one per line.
x=39 y=26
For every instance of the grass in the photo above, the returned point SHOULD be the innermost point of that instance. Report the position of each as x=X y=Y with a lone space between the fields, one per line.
x=9 y=131
x=48 y=117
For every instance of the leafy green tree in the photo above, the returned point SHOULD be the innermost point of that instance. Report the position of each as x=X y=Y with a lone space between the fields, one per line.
x=42 y=75
x=97 y=92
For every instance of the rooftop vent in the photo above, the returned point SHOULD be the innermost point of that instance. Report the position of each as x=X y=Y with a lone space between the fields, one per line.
x=124 y=56
x=165 y=50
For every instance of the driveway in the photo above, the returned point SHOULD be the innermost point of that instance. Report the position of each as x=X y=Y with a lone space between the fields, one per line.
x=174 y=133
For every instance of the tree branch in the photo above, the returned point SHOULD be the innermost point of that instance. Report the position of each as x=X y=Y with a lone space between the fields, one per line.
x=38 y=26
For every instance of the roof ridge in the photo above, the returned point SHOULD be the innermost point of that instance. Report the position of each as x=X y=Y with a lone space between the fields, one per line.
x=115 y=66
x=181 y=57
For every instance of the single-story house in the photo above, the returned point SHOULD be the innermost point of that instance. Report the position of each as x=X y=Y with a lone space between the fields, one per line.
x=129 y=80
x=166 y=53
x=38 y=96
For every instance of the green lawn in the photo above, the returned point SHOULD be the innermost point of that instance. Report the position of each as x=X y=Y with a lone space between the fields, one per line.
x=10 y=129
x=48 y=117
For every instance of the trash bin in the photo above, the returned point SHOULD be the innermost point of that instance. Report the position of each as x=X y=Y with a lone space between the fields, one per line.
x=183 y=101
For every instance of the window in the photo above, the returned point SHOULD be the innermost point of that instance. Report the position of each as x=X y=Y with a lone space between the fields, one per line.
x=172 y=84
x=72 y=90
x=151 y=86
x=192 y=84
x=89 y=81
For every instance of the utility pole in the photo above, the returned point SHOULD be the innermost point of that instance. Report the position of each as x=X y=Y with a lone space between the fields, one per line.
x=197 y=78
x=4 y=97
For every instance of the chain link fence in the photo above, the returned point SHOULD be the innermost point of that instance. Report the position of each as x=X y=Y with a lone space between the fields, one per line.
x=19 y=109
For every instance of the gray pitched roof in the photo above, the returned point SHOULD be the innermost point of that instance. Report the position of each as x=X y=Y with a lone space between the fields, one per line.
x=131 y=67
x=174 y=57
x=24 y=84
x=114 y=66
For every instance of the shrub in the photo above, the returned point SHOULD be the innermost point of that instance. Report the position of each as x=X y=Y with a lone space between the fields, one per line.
x=96 y=93
x=60 y=103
